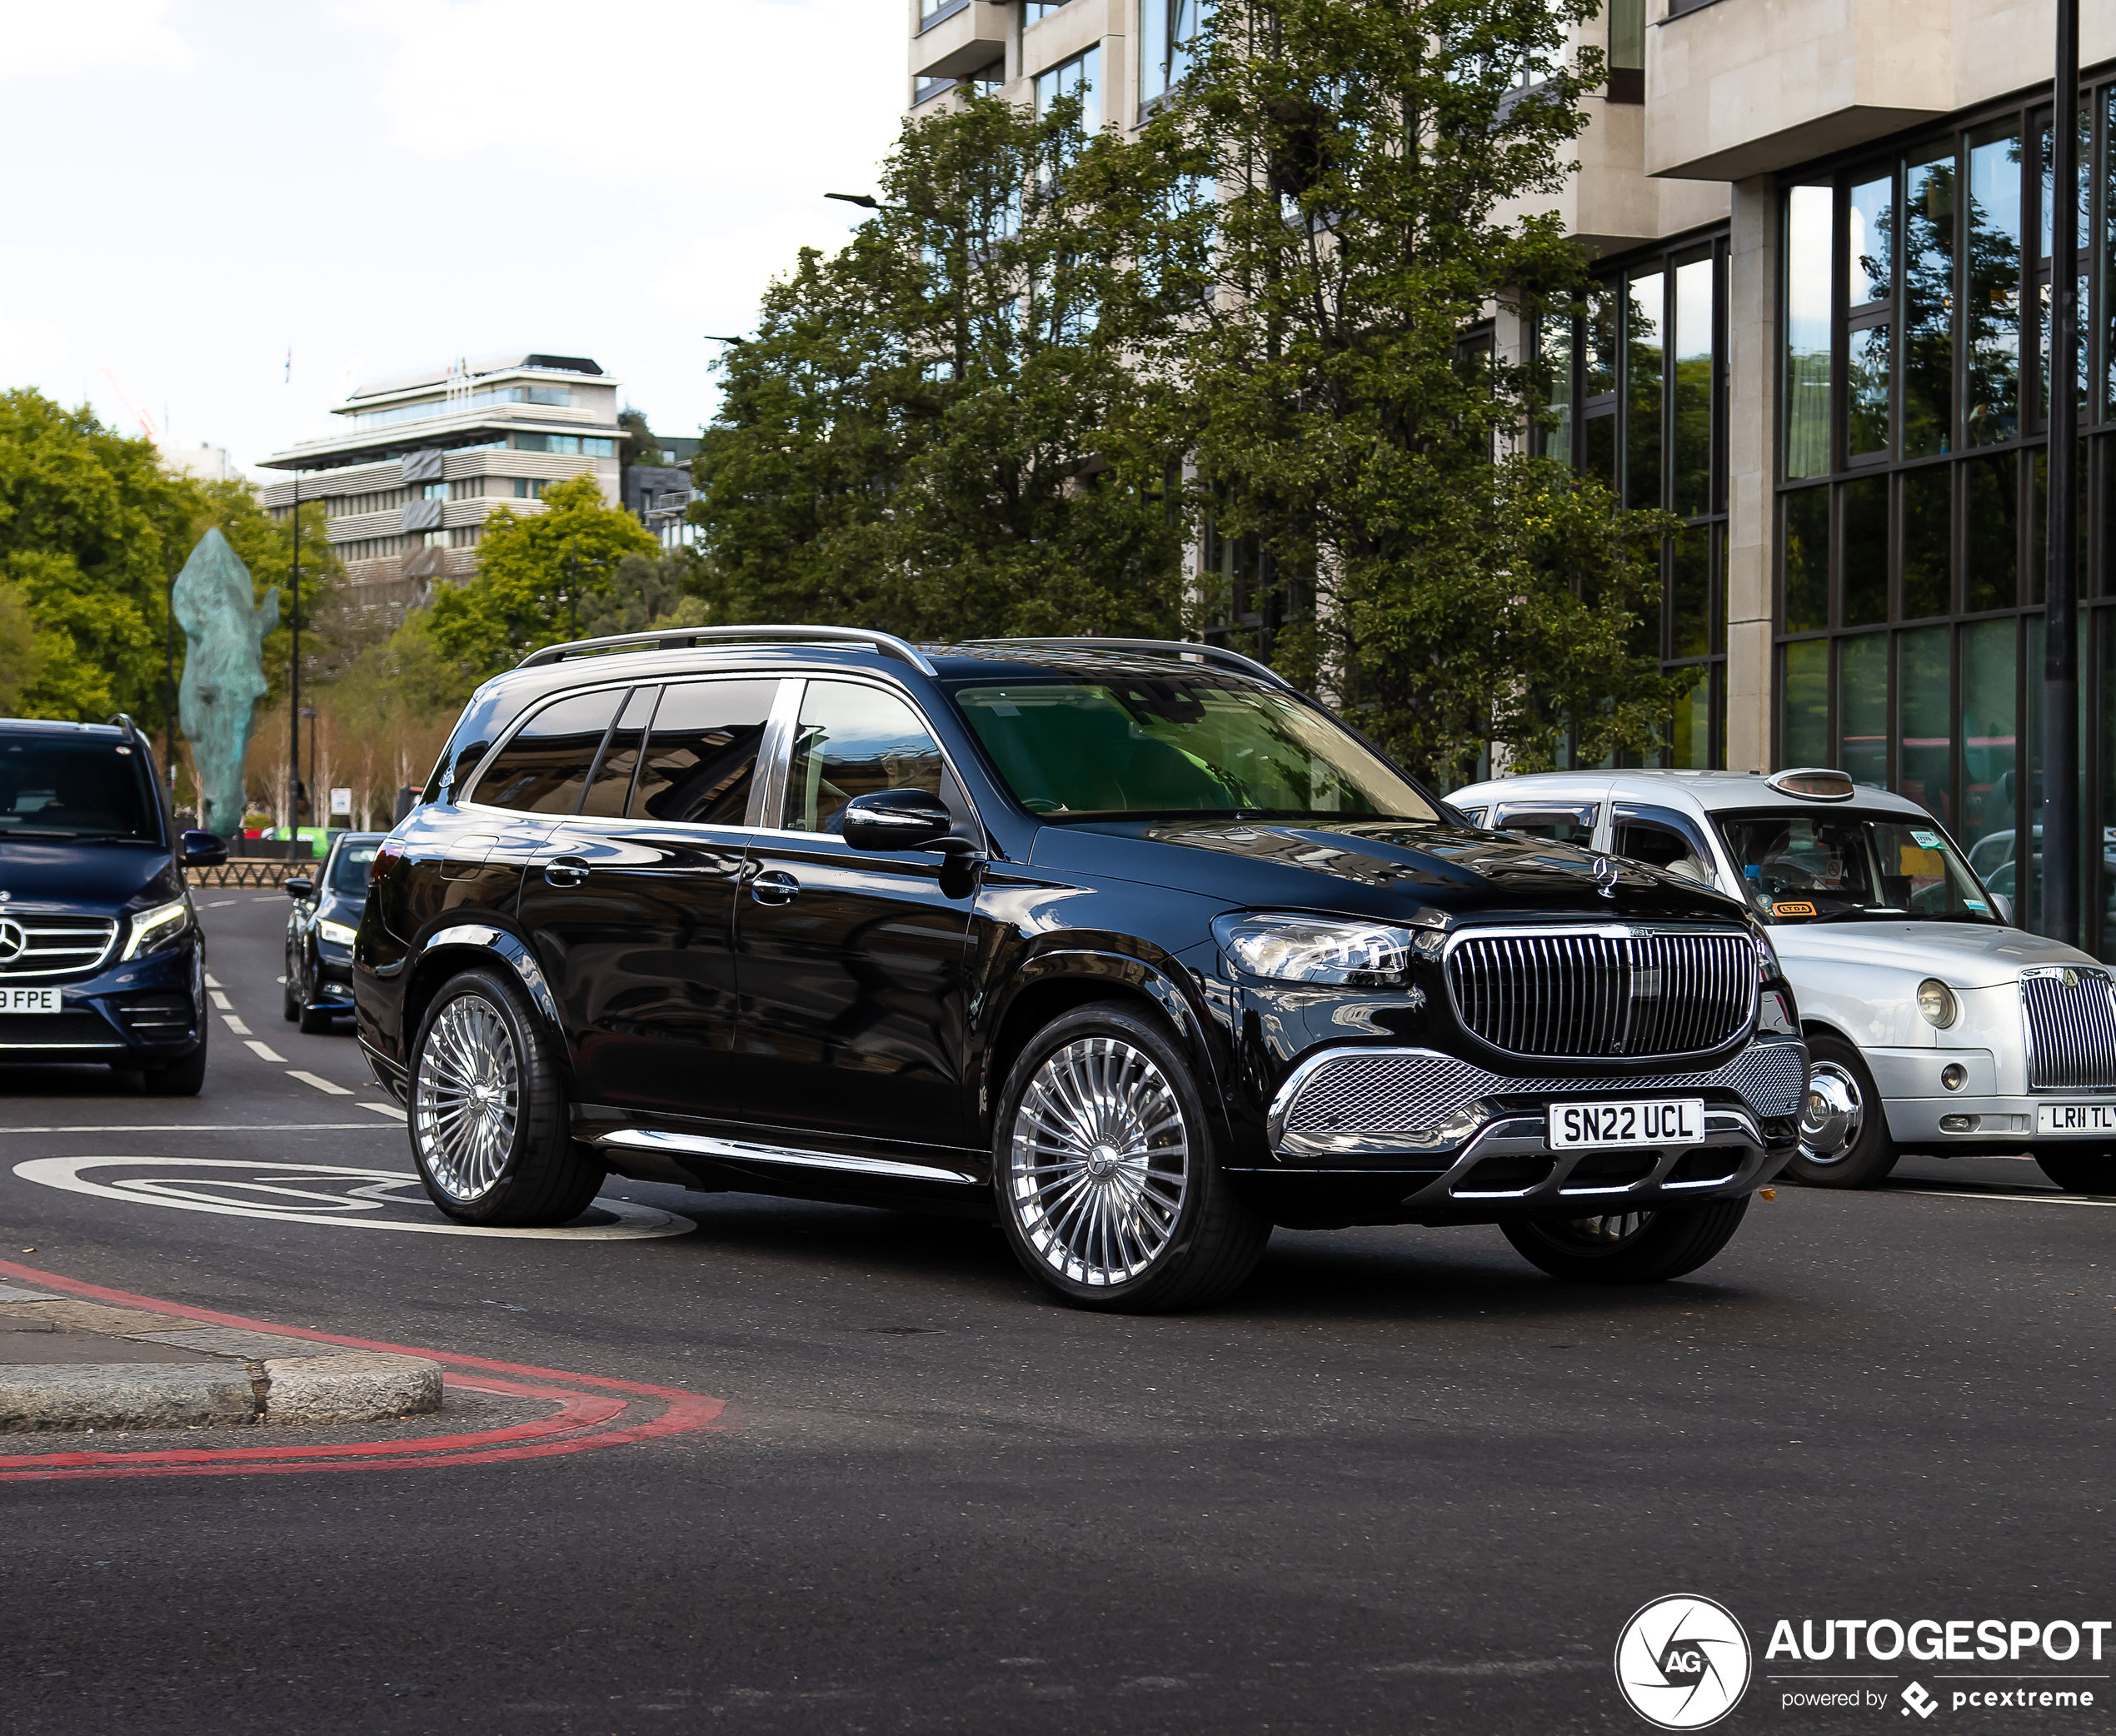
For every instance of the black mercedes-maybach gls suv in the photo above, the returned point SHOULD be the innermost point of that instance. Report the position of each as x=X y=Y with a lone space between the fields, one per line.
x=1128 y=945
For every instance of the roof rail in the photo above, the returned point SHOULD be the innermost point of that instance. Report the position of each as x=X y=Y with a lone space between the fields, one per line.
x=118 y=719
x=1164 y=647
x=684 y=638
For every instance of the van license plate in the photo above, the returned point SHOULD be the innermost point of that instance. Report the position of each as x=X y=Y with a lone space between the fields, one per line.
x=2075 y=1118
x=1657 y=1121
x=29 y=1001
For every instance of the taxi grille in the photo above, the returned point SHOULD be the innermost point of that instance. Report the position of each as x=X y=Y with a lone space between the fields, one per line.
x=2071 y=1018
x=53 y=946
x=1603 y=995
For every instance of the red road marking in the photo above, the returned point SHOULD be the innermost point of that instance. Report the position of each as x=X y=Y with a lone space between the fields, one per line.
x=566 y=1430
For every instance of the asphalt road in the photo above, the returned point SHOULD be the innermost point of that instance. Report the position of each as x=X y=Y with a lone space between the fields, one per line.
x=1402 y=1482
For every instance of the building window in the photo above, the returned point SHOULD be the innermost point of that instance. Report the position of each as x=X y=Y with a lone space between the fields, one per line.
x=1912 y=509
x=1635 y=389
x=1079 y=77
x=1627 y=51
x=1167 y=30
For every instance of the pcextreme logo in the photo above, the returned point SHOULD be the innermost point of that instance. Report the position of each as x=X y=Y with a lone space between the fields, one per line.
x=1682 y=1662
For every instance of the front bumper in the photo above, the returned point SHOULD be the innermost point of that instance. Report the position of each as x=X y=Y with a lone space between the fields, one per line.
x=147 y=1011
x=1372 y=1135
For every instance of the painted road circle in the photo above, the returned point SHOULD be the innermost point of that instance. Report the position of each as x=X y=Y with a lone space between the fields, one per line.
x=341 y=1195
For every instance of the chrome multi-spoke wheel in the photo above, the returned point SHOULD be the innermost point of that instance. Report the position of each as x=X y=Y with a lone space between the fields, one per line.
x=467 y=1103
x=1099 y=1161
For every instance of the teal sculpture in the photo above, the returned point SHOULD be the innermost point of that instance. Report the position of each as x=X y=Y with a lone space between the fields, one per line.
x=223 y=673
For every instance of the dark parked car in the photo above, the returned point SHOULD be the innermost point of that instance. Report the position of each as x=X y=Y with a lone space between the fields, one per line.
x=1125 y=944
x=101 y=956
x=319 y=931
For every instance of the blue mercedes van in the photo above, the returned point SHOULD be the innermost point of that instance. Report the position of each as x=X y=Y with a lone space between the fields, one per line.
x=101 y=956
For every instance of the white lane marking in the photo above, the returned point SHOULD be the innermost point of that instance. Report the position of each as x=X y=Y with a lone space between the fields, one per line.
x=266 y=899
x=265 y=1052
x=387 y=1109
x=235 y=1024
x=212 y=980
x=319 y=1082
x=221 y=1001
x=218 y=904
x=2017 y=1199
x=633 y=1222
x=280 y=980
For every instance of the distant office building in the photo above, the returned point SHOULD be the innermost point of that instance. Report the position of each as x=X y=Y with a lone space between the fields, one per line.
x=207 y=463
x=659 y=494
x=421 y=461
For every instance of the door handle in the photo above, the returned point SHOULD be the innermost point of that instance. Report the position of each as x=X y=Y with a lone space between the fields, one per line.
x=566 y=871
x=776 y=887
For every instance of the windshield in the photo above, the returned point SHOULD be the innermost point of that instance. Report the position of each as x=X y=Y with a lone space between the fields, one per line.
x=354 y=866
x=1848 y=867
x=1193 y=744
x=53 y=787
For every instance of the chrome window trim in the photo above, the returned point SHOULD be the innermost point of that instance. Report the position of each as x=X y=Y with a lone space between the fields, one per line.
x=649 y=1139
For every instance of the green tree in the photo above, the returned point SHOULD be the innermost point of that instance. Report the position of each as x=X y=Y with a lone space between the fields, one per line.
x=538 y=576
x=934 y=431
x=1333 y=201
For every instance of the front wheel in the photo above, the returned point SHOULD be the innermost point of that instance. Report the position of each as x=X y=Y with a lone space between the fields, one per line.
x=1102 y=1164
x=2091 y=1171
x=488 y=1119
x=1845 y=1139
x=1639 y=1247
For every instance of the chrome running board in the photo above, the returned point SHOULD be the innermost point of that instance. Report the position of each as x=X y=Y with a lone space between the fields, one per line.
x=695 y=1145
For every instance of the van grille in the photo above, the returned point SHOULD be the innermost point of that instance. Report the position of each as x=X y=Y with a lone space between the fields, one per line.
x=1604 y=994
x=53 y=946
x=2071 y=1030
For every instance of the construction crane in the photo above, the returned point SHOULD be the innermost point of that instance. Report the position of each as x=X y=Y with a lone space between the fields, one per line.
x=141 y=417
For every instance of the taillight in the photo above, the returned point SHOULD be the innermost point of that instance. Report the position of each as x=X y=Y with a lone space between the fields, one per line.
x=385 y=860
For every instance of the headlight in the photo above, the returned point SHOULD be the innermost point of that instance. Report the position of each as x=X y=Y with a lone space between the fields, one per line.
x=1767 y=965
x=1937 y=1002
x=151 y=928
x=1313 y=949
x=335 y=932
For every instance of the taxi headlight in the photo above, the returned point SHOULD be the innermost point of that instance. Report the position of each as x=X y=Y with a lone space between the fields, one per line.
x=1937 y=1002
x=337 y=933
x=155 y=927
x=1313 y=949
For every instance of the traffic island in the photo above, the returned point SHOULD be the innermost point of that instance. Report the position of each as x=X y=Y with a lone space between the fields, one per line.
x=70 y=1365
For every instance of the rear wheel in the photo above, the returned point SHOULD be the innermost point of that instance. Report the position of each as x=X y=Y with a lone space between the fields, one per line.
x=1108 y=1188
x=290 y=994
x=488 y=1113
x=314 y=1021
x=2089 y=1171
x=1639 y=1247
x=1845 y=1139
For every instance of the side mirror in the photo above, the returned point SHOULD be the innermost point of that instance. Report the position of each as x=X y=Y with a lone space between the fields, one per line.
x=896 y=820
x=204 y=849
x=2004 y=906
x=300 y=887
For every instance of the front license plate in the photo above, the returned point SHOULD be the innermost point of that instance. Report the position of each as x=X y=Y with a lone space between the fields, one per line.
x=2075 y=1118
x=29 y=1001
x=1656 y=1121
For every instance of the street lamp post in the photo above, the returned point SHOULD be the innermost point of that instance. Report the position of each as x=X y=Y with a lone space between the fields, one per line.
x=2060 y=912
x=294 y=680
x=169 y=673
x=867 y=201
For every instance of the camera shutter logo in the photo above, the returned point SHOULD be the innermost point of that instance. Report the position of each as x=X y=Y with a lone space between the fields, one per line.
x=13 y=941
x=1683 y=1662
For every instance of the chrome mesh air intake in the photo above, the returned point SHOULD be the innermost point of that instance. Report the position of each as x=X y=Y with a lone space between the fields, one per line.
x=1604 y=992
x=2071 y=1019
x=52 y=945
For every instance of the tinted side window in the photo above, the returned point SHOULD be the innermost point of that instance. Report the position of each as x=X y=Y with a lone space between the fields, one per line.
x=1660 y=847
x=544 y=767
x=1561 y=824
x=852 y=741
x=610 y=787
x=701 y=756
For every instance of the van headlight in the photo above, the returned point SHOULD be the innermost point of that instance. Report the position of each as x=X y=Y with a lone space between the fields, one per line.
x=155 y=927
x=337 y=933
x=1313 y=949
x=1767 y=965
x=1937 y=1002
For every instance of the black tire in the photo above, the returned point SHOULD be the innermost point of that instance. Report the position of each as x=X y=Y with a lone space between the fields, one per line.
x=180 y=1079
x=513 y=1160
x=1871 y=1154
x=290 y=996
x=2079 y=1170
x=1160 y=1193
x=1636 y=1248
x=315 y=1021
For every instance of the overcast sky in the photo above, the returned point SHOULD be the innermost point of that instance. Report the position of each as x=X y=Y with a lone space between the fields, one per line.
x=195 y=186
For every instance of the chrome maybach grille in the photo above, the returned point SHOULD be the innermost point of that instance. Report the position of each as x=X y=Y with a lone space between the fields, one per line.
x=52 y=945
x=2071 y=1019
x=1605 y=992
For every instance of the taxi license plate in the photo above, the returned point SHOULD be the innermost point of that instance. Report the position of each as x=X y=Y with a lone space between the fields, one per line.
x=1655 y=1121
x=2075 y=1118
x=29 y=1001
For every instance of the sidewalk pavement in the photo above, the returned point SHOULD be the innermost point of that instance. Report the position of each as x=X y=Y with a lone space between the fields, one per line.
x=73 y=1365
